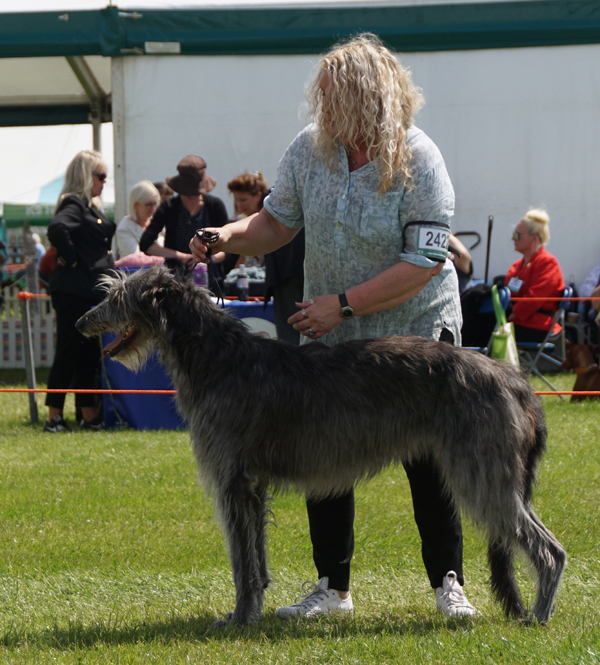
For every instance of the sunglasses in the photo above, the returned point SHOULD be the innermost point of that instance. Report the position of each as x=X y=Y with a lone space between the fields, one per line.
x=151 y=204
x=517 y=236
x=101 y=176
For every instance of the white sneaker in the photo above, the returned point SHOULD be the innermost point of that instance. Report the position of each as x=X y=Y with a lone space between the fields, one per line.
x=316 y=599
x=451 y=599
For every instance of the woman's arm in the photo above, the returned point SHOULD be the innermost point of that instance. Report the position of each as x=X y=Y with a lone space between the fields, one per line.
x=59 y=234
x=127 y=243
x=157 y=224
x=156 y=250
x=462 y=262
x=255 y=235
x=391 y=288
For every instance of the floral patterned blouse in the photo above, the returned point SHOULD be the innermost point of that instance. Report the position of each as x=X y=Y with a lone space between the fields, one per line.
x=353 y=233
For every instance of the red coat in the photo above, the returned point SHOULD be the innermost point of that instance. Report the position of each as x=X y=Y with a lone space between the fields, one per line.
x=542 y=276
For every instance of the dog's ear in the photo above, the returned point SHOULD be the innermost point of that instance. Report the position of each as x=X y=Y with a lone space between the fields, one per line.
x=160 y=286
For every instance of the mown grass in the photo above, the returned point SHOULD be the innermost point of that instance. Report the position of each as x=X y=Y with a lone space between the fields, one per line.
x=110 y=554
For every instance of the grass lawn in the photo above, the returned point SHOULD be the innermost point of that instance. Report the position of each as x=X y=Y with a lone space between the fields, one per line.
x=110 y=554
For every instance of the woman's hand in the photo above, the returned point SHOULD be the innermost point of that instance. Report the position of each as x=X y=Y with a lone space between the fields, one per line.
x=199 y=248
x=186 y=259
x=317 y=316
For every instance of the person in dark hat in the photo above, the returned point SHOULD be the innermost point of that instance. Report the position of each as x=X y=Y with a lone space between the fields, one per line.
x=181 y=216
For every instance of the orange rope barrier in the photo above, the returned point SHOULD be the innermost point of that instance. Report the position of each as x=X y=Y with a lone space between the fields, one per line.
x=25 y=295
x=174 y=392
x=550 y=298
x=91 y=390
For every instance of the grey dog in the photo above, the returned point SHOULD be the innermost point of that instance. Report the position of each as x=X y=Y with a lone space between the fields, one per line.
x=267 y=416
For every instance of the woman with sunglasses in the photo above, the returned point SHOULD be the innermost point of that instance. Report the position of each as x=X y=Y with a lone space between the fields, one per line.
x=143 y=202
x=537 y=274
x=82 y=236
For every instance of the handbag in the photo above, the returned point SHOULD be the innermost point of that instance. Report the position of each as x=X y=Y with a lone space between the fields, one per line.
x=504 y=345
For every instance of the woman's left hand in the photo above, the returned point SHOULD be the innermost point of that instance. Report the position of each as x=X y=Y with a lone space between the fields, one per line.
x=317 y=316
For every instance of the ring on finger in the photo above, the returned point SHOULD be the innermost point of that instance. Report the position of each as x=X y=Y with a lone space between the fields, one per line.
x=310 y=332
x=311 y=301
x=304 y=314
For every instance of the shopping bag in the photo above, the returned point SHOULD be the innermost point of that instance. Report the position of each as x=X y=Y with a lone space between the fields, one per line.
x=504 y=346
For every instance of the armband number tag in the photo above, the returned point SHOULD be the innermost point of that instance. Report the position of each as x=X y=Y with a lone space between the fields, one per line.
x=433 y=243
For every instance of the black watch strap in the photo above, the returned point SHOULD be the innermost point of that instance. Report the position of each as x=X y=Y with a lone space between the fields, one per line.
x=346 y=311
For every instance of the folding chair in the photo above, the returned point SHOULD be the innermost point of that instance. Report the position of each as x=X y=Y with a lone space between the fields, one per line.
x=530 y=353
x=487 y=307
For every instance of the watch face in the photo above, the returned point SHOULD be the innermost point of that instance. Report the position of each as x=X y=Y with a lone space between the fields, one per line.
x=347 y=312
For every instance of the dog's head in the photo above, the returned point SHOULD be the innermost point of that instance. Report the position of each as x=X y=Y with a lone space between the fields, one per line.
x=579 y=355
x=136 y=309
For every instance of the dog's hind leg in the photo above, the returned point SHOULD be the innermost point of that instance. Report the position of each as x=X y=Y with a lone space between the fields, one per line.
x=238 y=506
x=549 y=559
x=502 y=579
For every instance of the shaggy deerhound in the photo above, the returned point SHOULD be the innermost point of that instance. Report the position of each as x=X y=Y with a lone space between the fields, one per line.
x=266 y=415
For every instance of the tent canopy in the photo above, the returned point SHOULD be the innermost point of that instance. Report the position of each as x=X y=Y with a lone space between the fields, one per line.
x=55 y=67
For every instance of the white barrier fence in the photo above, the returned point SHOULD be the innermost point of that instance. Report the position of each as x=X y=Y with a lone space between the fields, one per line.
x=43 y=330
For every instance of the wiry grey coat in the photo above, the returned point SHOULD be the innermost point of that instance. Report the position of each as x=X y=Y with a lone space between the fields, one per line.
x=266 y=415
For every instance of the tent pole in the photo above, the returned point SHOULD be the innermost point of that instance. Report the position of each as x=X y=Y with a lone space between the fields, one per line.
x=119 y=136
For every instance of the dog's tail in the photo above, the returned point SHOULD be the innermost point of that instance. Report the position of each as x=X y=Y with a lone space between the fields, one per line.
x=501 y=548
x=536 y=449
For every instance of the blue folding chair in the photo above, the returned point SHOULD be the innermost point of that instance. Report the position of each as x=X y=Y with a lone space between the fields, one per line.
x=531 y=353
x=487 y=307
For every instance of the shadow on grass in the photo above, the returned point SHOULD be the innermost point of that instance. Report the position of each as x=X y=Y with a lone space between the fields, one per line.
x=200 y=629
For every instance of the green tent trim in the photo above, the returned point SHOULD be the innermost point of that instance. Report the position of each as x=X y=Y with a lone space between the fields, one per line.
x=113 y=33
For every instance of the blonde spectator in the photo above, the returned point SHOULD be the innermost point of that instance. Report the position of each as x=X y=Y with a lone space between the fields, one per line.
x=536 y=275
x=143 y=202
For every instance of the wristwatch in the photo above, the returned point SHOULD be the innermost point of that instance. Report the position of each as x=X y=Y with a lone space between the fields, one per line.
x=346 y=312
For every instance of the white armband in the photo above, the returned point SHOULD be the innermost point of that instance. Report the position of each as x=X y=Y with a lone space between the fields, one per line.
x=428 y=239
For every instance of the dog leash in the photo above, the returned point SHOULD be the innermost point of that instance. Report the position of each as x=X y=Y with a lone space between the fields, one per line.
x=210 y=238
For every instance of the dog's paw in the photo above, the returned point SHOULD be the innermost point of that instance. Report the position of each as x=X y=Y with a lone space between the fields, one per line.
x=222 y=623
x=227 y=621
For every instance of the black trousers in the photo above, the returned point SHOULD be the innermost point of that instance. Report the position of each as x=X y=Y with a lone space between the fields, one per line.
x=331 y=522
x=525 y=334
x=76 y=357
x=285 y=297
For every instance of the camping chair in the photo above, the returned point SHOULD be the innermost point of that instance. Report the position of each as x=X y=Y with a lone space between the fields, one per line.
x=531 y=353
x=502 y=297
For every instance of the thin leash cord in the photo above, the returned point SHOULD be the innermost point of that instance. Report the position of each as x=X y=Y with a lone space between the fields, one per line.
x=122 y=423
x=211 y=274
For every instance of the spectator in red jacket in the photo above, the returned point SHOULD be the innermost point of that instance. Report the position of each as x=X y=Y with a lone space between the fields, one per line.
x=536 y=274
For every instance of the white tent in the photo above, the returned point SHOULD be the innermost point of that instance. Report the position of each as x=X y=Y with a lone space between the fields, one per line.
x=511 y=91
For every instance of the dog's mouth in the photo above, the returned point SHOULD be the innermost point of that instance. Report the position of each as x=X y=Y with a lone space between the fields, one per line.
x=120 y=342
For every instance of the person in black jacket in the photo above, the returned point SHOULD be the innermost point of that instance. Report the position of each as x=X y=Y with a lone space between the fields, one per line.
x=82 y=237
x=181 y=216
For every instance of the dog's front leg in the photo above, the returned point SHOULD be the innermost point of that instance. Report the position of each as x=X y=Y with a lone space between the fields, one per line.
x=260 y=513
x=237 y=506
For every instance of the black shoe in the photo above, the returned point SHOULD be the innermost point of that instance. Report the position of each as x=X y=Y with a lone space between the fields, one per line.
x=96 y=424
x=57 y=424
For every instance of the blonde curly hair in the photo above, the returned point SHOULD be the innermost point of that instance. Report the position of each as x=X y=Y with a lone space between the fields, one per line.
x=373 y=103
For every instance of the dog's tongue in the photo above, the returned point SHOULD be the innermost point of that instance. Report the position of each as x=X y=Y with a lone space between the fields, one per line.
x=111 y=346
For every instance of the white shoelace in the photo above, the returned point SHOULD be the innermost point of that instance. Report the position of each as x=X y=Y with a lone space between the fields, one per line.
x=313 y=594
x=455 y=597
